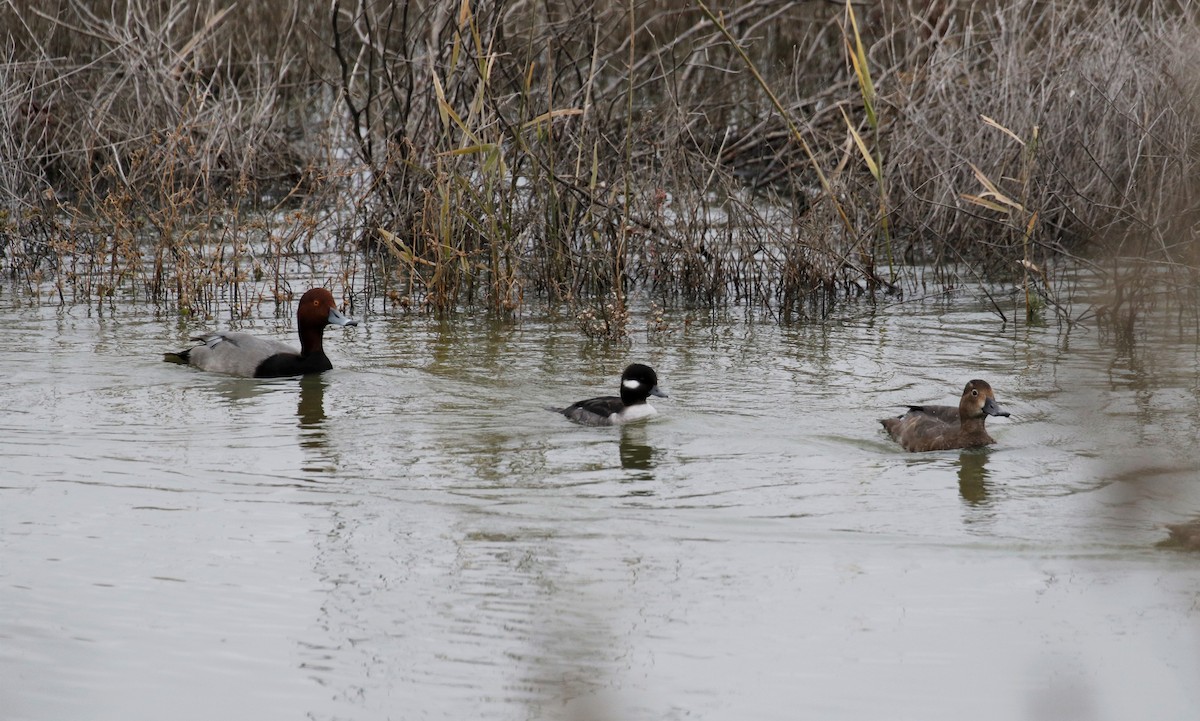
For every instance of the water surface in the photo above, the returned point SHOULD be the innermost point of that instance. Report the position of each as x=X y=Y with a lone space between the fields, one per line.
x=412 y=535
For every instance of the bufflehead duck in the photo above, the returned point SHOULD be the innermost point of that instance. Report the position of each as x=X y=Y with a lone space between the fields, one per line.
x=941 y=428
x=243 y=354
x=638 y=383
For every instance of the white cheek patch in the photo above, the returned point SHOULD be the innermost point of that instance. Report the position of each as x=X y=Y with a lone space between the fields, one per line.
x=632 y=384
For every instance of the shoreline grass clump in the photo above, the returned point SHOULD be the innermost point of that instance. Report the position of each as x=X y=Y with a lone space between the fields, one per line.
x=437 y=155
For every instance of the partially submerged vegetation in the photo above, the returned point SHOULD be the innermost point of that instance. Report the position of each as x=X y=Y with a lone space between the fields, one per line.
x=442 y=154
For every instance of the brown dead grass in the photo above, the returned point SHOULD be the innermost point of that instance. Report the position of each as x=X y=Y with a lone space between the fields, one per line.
x=442 y=155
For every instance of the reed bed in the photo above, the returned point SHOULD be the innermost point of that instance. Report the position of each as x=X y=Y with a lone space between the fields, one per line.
x=437 y=156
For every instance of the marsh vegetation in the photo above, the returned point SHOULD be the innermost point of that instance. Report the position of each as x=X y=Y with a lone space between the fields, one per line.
x=439 y=155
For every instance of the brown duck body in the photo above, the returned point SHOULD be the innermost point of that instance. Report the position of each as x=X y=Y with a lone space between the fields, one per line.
x=941 y=428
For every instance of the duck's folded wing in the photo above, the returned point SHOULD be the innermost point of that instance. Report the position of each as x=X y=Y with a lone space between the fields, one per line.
x=245 y=343
x=235 y=353
x=920 y=431
x=946 y=414
x=595 y=411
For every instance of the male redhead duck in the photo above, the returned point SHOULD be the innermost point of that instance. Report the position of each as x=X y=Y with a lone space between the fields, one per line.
x=941 y=428
x=242 y=354
x=638 y=383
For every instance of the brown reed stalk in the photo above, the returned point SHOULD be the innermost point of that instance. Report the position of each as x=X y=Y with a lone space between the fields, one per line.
x=206 y=154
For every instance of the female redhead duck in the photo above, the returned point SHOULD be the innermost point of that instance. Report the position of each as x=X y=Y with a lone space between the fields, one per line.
x=242 y=354
x=941 y=428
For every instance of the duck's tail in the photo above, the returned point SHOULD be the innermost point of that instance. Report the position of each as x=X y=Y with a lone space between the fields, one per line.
x=177 y=356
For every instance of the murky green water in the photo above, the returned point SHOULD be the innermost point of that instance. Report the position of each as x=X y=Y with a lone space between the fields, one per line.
x=412 y=536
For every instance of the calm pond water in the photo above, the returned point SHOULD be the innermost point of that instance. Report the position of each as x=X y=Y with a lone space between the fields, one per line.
x=412 y=536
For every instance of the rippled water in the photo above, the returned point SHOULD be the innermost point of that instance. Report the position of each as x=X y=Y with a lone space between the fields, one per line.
x=412 y=535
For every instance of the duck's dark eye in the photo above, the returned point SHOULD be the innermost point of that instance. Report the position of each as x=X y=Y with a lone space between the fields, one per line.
x=974 y=393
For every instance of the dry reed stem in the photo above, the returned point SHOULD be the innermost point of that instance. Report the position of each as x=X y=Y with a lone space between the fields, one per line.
x=208 y=154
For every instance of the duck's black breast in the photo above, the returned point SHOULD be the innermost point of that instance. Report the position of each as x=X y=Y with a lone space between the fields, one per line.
x=282 y=365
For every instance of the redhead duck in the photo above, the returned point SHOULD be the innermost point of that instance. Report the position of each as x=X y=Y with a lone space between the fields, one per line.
x=941 y=428
x=638 y=383
x=242 y=354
